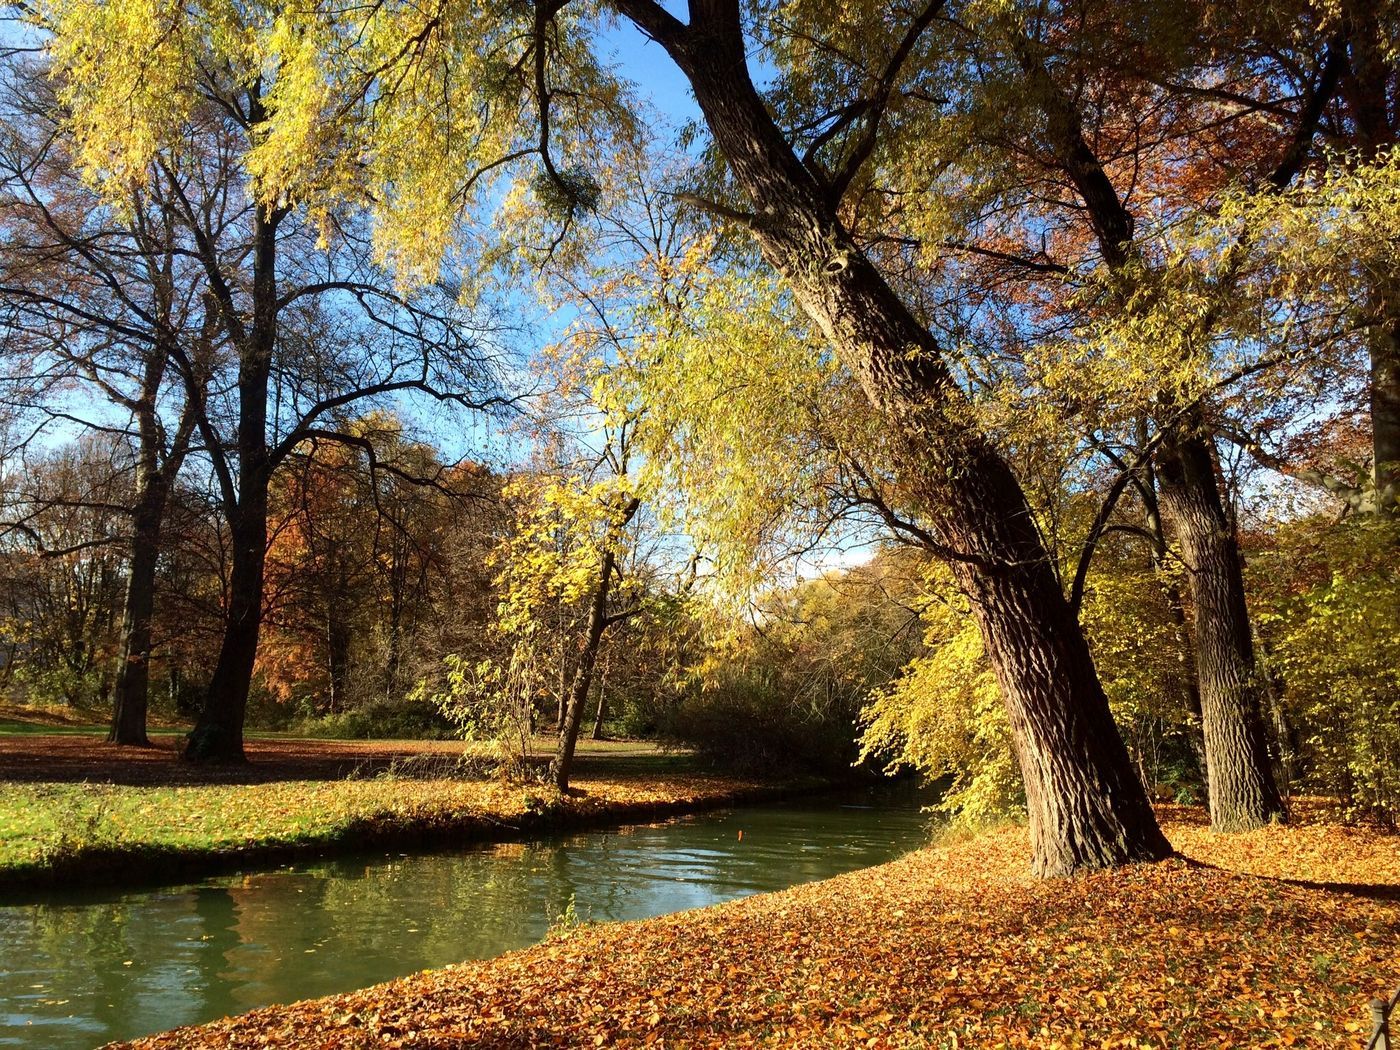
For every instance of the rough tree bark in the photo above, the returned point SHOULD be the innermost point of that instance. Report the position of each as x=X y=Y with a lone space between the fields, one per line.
x=1241 y=786
x=1240 y=781
x=1087 y=807
x=1368 y=83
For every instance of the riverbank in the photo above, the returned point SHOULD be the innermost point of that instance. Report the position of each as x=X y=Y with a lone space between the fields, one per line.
x=1274 y=938
x=62 y=833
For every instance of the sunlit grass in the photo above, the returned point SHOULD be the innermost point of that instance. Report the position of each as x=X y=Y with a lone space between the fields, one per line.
x=52 y=825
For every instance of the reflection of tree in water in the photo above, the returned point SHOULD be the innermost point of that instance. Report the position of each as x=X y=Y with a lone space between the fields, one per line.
x=218 y=923
x=423 y=911
x=283 y=926
x=76 y=954
x=114 y=962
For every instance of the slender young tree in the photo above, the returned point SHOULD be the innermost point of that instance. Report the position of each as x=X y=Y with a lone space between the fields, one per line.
x=604 y=612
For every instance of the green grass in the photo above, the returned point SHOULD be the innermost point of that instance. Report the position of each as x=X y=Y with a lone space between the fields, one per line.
x=45 y=824
x=57 y=827
x=53 y=828
x=11 y=727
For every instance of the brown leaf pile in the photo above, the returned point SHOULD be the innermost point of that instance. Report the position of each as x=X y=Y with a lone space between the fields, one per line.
x=952 y=946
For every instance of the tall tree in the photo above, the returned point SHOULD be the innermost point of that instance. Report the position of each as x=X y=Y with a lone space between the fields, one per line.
x=101 y=294
x=1076 y=140
x=1087 y=807
x=1370 y=88
x=1243 y=793
x=312 y=324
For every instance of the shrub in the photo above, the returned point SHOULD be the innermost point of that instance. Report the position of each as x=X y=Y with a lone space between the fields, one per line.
x=743 y=720
x=1329 y=618
x=408 y=719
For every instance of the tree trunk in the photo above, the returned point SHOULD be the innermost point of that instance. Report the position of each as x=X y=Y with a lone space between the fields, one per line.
x=337 y=658
x=602 y=705
x=218 y=734
x=1241 y=784
x=1176 y=607
x=154 y=481
x=1385 y=405
x=583 y=676
x=1239 y=773
x=1087 y=807
x=562 y=710
x=133 y=669
x=1366 y=86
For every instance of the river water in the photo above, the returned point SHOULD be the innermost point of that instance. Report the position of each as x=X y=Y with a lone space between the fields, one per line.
x=80 y=968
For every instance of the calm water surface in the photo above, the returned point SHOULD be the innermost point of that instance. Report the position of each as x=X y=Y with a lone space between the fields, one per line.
x=83 y=968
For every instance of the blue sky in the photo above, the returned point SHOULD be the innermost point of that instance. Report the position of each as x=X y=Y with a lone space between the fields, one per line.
x=645 y=63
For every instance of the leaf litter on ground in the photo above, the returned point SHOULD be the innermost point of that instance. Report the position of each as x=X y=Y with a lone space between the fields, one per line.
x=1277 y=937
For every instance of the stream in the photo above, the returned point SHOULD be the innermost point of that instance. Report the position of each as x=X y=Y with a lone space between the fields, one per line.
x=83 y=967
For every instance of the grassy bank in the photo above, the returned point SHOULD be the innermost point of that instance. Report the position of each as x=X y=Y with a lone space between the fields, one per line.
x=950 y=947
x=67 y=833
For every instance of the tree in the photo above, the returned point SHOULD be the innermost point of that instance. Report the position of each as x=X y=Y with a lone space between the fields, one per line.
x=100 y=294
x=356 y=541
x=312 y=324
x=1071 y=153
x=1243 y=793
x=1327 y=596
x=1371 y=76
x=603 y=613
x=62 y=585
x=567 y=561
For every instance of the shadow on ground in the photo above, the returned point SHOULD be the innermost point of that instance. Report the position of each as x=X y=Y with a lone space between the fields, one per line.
x=78 y=758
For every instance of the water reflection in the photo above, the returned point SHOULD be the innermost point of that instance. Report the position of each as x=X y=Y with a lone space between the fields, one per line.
x=84 y=968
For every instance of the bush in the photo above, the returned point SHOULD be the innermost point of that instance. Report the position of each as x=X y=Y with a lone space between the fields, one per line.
x=1327 y=614
x=943 y=716
x=408 y=719
x=744 y=720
